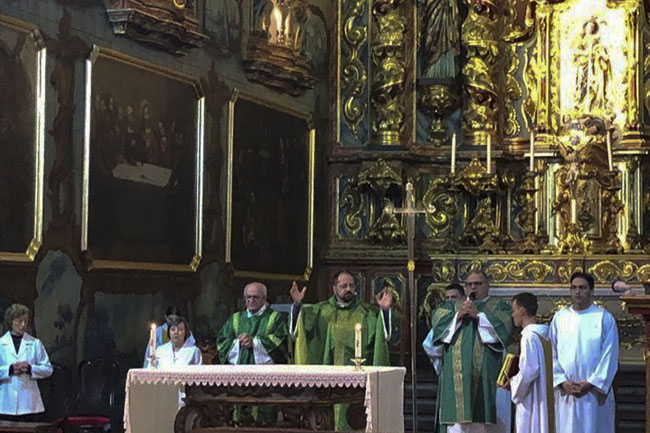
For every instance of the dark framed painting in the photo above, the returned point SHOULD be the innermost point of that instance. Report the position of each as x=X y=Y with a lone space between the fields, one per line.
x=142 y=166
x=270 y=203
x=22 y=134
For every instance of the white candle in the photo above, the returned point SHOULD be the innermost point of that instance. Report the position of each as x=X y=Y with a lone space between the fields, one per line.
x=574 y=210
x=453 y=153
x=532 y=151
x=152 y=340
x=489 y=154
x=610 y=161
x=357 y=340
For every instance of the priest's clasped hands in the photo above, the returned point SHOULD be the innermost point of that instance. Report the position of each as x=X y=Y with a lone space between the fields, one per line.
x=245 y=341
x=468 y=310
x=577 y=389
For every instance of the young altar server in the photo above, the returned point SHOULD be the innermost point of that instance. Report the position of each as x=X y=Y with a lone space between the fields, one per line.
x=532 y=387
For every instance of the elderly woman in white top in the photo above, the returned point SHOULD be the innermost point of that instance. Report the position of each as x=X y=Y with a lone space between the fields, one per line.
x=180 y=349
x=22 y=360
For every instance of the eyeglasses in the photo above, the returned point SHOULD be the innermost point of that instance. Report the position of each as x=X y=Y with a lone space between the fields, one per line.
x=255 y=297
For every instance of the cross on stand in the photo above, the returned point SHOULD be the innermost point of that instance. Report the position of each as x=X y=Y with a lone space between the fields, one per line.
x=411 y=211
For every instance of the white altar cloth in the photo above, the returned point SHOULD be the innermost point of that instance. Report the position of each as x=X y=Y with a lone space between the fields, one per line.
x=152 y=395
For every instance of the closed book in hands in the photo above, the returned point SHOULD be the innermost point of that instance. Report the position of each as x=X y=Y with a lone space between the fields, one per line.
x=509 y=368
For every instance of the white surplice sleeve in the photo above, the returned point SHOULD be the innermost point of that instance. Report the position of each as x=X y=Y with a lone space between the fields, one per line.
x=260 y=353
x=486 y=331
x=233 y=353
x=559 y=376
x=529 y=369
x=433 y=352
x=603 y=376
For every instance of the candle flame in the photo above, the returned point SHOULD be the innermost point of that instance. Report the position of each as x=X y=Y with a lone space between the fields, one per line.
x=153 y=326
x=357 y=327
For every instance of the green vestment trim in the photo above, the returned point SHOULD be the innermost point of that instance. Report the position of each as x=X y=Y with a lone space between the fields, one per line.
x=270 y=328
x=469 y=367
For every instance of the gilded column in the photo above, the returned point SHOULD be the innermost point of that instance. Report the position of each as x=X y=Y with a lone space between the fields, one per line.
x=480 y=37
x=389 y=71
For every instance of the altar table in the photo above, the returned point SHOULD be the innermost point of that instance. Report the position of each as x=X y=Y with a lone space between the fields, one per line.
x=152 y=396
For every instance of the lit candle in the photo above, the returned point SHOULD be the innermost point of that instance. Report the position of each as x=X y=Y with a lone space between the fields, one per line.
x=152 y=340
x=489 y=154
x=610 y=161
x=357 y=340
x=532 y=151
x=453 y=153
x=574 y=210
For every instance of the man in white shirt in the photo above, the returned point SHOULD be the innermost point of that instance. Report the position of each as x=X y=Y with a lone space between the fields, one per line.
x=532 y=386
x=585 y=361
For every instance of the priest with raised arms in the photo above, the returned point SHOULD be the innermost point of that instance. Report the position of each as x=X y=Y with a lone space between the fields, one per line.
x=324 y=333
x=474 y=334
x=585 y=360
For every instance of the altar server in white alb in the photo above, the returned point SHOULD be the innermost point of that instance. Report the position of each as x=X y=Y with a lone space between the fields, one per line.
x=585 y=360
x=23 y=360
x=532 y=388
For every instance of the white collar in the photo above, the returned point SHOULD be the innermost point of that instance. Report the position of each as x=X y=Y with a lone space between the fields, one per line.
x=258 y=313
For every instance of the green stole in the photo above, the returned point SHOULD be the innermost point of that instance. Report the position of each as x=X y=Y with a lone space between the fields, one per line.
x=470 y=368
x=270 y=328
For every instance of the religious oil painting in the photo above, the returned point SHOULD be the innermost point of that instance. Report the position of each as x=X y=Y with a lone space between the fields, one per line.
x=143 y=159
x=270 y=190
x=22 y=113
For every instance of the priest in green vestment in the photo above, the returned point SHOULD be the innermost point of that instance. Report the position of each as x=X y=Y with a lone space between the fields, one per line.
x=257 y=335
x=324 y=332
x=474 y=334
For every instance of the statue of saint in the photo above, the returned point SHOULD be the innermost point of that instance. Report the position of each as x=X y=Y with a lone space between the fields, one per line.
x=594 y=70
x=440 y=37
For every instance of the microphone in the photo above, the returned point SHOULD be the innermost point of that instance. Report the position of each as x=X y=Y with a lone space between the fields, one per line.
x=472 y=296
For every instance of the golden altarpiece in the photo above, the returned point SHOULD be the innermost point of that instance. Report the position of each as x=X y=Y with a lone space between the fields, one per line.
x=447 y=95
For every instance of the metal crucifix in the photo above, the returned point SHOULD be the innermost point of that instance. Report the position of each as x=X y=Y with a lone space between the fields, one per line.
x=411 y=211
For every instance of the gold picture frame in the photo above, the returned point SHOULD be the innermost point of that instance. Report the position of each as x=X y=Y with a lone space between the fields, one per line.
x=142 y=201
x=21 y=122
x=265 y=177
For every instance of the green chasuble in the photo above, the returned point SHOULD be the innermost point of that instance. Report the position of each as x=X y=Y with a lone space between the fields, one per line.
x=324 y=335
x=270 y=328
x=469 y=367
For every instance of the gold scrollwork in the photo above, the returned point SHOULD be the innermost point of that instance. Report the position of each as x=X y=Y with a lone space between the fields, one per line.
x=646 y=85
x=443 y=271
x=445 y=204
x=514 y=271
x=565 y=270
x=608 y=271
x=352 y=199
x=438 y=101
x=513 y=92
x=479 y=38
x=354 y=72
x=390 y=72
